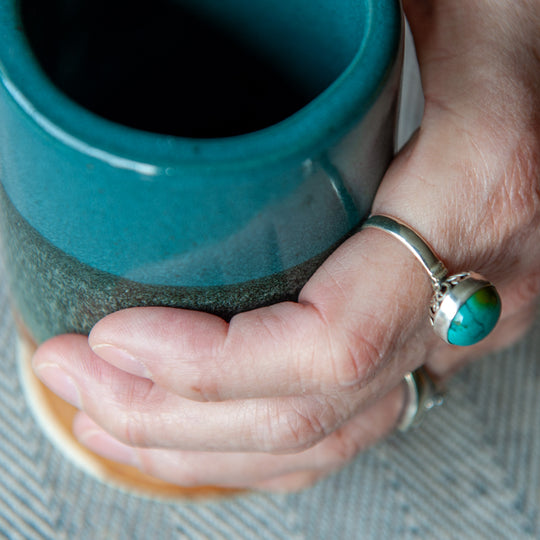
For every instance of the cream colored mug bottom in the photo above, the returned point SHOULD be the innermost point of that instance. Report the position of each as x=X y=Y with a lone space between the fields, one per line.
x=55 y=418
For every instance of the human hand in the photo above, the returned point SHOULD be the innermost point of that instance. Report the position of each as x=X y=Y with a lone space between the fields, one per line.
x=285 y=394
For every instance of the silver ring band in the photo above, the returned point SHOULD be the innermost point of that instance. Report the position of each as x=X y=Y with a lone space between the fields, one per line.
x=465 y=307
x=422 y=394
x=413 y=241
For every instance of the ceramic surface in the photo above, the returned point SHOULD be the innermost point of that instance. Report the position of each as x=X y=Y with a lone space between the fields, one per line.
x=98 y=215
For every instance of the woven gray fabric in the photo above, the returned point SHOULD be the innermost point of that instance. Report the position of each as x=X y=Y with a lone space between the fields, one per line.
x=472 y=470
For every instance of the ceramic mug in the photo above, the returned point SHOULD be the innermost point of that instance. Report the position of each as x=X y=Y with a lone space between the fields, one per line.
x=205 y=154
x=119 y=188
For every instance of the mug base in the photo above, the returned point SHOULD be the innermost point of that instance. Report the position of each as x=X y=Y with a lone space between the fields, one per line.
x=55 y=417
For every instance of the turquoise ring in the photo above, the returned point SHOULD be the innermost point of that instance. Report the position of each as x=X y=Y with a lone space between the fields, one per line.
x=465 y=307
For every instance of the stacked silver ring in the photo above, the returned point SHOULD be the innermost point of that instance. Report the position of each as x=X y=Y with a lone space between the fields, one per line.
x=422 y=394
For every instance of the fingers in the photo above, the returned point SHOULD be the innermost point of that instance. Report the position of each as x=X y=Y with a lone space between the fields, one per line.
x=370 y=298
x=359 y=306
x=140 y=413
x=251 y=469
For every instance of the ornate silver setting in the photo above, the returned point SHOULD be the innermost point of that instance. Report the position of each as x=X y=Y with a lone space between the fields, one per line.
x=450 y=296
x=442 y=288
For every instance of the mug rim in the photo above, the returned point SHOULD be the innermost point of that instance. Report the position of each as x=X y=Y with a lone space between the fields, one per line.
x=344 y=102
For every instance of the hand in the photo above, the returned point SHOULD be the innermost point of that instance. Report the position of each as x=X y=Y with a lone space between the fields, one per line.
x=285 y=394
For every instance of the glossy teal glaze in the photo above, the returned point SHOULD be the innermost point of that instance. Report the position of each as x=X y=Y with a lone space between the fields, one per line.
x=164 y=209
x=97 y=214
x=476 y=318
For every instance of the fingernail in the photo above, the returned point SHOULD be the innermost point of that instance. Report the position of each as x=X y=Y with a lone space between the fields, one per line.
x=108 y=447
x=121 y=359
x=59 y=382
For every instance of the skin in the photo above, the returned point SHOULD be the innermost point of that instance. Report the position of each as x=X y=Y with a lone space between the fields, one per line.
x=286 y=394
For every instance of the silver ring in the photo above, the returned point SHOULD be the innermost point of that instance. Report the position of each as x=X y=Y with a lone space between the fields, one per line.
x=465 y=307
x=422 y=394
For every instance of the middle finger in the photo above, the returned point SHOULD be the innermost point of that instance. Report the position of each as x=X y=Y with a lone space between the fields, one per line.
x=140 y=413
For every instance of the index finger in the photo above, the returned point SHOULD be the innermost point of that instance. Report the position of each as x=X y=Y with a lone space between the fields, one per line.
x=350 y=317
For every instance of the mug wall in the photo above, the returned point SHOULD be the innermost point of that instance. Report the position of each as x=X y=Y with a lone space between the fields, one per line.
x=88 y=230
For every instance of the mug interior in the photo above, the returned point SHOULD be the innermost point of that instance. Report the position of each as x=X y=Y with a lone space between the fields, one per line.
x=192 y=68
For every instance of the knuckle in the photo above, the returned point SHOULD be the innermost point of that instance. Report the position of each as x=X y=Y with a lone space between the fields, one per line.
x=128 y=429
x=293 y=429
x=356 y=363
x=300 y=431
x=130 y=414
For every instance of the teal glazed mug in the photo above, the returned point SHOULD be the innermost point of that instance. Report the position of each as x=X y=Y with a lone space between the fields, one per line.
x=204 y=154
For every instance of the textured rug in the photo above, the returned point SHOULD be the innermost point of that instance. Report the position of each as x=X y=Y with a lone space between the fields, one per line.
x=472 y=470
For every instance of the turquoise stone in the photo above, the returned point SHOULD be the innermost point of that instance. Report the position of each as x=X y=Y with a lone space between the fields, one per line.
x=476 y=318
